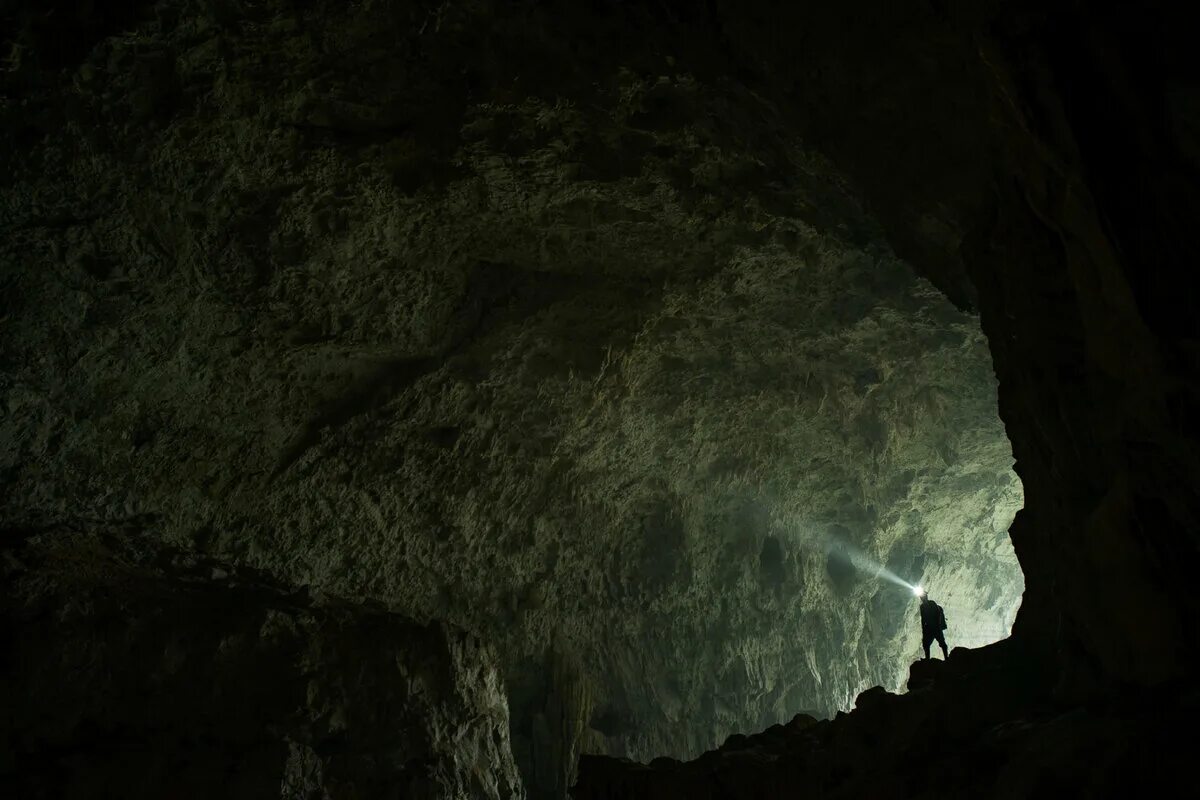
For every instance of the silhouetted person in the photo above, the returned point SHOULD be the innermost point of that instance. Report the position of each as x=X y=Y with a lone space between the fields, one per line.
x=933 y=622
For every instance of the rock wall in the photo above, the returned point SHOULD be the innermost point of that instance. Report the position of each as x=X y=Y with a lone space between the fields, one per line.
x=1036 y=161
x=1037 y=164
x=598 y=345
x=133 y=670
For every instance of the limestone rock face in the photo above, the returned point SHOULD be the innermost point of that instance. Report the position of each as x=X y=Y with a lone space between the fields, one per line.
x=133 y=670
x=1036 y=163
x=507 y=319
x=607 y=366
x=615 y=374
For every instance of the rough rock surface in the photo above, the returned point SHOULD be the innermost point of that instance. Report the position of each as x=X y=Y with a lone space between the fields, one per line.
x=1038 y=163
x=409 y=301
x=977 y=725
x=133 y=670
x=617 y=375
x=1037 y=160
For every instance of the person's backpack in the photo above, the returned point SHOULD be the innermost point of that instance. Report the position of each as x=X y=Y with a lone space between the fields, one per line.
x=941 y=618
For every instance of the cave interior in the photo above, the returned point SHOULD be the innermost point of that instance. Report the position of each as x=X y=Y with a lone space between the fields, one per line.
x=484 y=399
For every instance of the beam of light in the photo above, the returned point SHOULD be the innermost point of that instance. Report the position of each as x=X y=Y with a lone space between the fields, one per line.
x=848 y=553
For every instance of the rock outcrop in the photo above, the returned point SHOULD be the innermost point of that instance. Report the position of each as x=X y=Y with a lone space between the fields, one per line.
x=1034 y=162
x=132 y=670
x=977 y=725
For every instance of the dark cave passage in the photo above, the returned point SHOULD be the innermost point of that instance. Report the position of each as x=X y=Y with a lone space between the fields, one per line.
x=408 y=399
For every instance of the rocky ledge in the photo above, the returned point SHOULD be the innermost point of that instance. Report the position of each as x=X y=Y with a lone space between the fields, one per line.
x=131 y=670
x=976 y=725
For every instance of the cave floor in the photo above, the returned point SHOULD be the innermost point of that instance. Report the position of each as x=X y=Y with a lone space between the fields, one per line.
x=976 y=725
